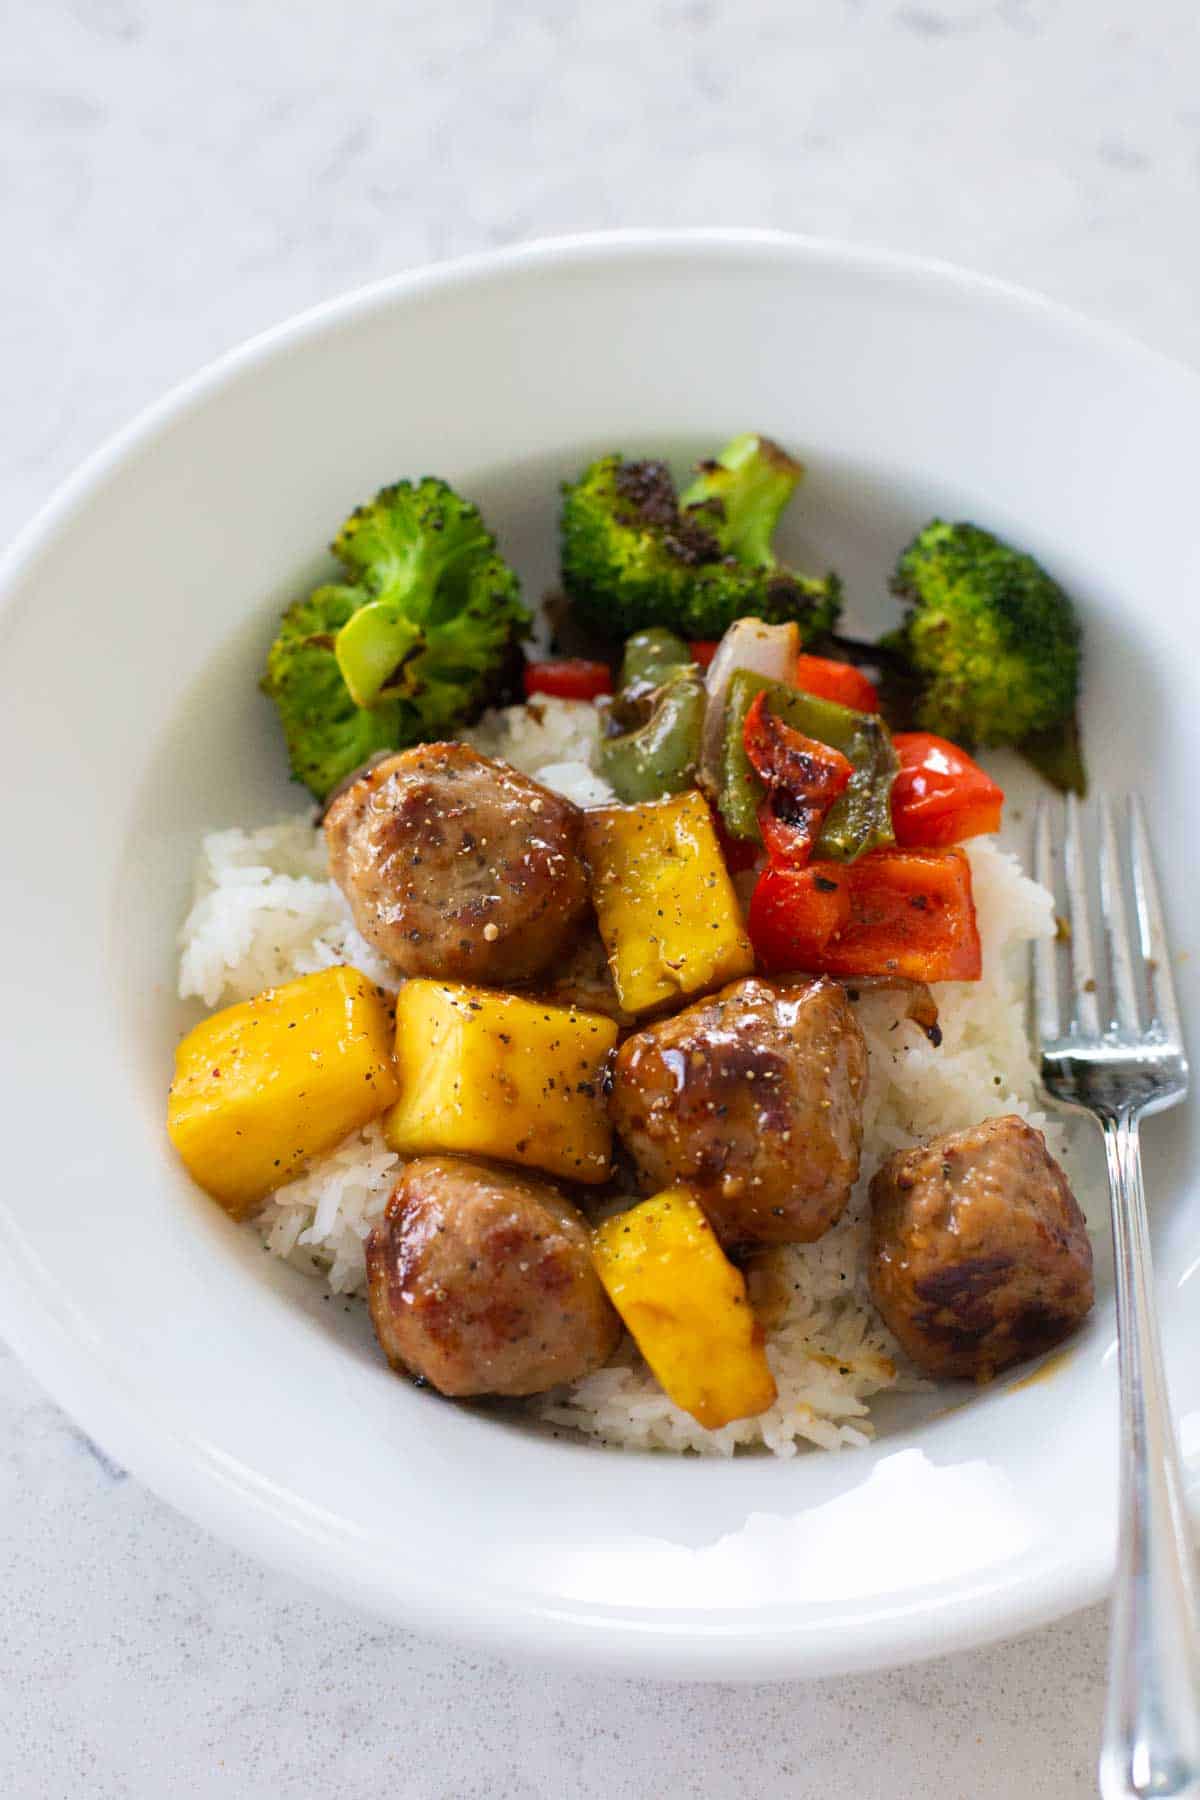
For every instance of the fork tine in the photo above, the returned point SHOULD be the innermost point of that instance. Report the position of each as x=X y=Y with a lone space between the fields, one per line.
x=1045 y=959
x=1151 y=930
x=1083 y=965
x=1126 y=1012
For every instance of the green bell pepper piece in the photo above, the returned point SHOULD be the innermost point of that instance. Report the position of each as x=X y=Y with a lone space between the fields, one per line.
x=660 y=709
x=659 y=756
x=861 y=818
x=651 y=657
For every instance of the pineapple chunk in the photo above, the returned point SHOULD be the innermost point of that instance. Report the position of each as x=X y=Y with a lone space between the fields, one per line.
x=262 y=1088
x=685 y=1305
x=492 y=1074
x=665 y=904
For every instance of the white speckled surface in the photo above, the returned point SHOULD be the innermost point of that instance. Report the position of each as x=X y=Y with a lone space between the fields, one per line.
x=174 y=177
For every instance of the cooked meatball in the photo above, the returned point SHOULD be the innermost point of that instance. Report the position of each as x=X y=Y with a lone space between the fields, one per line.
x=754 y=1098
x=979 y=1252
x=456 y=866
x=481 y=1281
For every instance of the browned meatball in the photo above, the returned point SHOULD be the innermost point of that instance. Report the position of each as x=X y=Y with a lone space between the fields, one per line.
x=754 y=1098
x=979 y=1252
x=481 y=1281
x=456 y=866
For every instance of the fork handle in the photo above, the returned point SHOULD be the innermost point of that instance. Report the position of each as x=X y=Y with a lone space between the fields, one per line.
x=1152 y=1726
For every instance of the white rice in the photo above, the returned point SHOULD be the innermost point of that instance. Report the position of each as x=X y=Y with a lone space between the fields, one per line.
x=265 y=910
x=539 y=735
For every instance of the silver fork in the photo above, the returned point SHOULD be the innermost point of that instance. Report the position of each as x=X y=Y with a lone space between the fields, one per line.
x=1119 y=1057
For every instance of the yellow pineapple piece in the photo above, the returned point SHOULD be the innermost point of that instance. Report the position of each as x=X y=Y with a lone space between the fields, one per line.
x=667 y=911
x=493 y=1074
x=262 y=1088
x=686 y=1308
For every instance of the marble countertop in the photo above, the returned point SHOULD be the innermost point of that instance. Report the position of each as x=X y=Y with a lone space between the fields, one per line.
x=173 y=178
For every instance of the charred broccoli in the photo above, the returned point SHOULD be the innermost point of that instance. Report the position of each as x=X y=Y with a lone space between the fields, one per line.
x=635 y=554
x=411 y=644
x=740 y=496
x=989 y=639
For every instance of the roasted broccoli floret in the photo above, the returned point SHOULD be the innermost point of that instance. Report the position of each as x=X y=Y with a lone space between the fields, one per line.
x=327 y=734
x=740 y=496
x=410 y=645
x=990 y=641
x=635 y=555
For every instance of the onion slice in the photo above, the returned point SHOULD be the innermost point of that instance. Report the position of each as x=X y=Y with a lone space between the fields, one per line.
x=766 y=650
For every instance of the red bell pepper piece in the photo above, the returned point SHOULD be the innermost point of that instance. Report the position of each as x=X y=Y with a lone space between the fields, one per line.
x=802 y=777
x=892 y=912
x=571 y=678
x=702 y=650
x=940 y=796
x=836 y=681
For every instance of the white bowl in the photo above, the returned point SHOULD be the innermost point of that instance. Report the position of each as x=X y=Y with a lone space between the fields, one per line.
x=137 y=609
